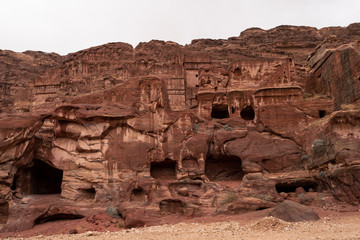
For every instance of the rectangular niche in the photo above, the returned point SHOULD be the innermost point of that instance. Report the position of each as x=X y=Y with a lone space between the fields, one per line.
x=220 y=111
x=45 y=179
x=87 y=193
x=224 y=168
x=163 y=170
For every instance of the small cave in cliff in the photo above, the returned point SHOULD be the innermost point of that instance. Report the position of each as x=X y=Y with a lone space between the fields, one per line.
x=56 y=217
x=4 y=212
x=172 y=206
x=13 y=185
x=237 y=73
x=138 y=195
x=45 y=179
x=21 y=181
x=288 y=187
x=224 y=168
x=87 y=193
x=322 y=113
x=247 y=113
x=163 y=170
x=220 y=111
x=38 y=178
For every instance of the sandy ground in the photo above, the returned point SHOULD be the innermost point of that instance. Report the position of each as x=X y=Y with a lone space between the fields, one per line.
x=334 y=224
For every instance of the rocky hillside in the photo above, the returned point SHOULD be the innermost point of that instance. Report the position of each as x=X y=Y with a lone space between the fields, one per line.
x=164 y=130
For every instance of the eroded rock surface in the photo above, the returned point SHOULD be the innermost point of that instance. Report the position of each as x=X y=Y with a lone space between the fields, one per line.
x=163 y=130
x=293 y=212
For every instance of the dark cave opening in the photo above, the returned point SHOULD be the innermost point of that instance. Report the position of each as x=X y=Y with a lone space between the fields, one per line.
x=57 y=217
x=224 y=168
x=247 y=113
x=288 y=187
x=237 y=73
x=322 y=113
x=137 y=194
x=13 y=185
x=220 y=111
x=45 y=179
x=163 y=170
x=21 y=181
x=261 y=208
x=4 y=212
x=87 y=193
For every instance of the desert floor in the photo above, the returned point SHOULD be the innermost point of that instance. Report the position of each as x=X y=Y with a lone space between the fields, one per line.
x=342 y=222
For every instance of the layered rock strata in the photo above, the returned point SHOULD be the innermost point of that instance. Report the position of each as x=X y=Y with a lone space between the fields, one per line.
x=162 y=130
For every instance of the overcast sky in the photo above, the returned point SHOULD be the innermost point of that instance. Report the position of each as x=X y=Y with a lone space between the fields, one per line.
x=65 y=26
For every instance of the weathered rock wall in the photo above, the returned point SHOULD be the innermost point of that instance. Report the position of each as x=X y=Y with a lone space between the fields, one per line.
x=216 y=126
x=18 y=73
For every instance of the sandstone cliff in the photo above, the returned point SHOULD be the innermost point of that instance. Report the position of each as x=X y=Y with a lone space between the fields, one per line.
x=216 y=126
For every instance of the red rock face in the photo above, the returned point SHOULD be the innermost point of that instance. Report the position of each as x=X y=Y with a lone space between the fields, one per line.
x=162 y=130
x=18 y=72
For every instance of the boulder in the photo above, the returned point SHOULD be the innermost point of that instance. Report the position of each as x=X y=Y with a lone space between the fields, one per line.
x=293 y=212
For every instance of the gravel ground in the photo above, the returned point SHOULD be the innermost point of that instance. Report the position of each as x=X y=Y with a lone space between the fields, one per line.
x=344 y=227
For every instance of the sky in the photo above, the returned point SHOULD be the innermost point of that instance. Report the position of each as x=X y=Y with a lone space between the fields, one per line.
x=65 y=26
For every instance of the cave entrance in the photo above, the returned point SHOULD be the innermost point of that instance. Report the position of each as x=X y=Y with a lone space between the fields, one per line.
x=4 y=212
x=13 y=185
x=45 y=179
x=220 y=111
x=87 y=193
x=224 y=168
x=237 y=73
x=163 y=170
x=322 y=113
x=288 y=187
x=57 y=217
x=247 y=113
x=138 y=195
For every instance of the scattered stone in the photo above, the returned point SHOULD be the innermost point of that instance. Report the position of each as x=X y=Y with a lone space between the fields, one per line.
x=270 y=224
x=306 y=199
x=25 y=200
x=300 y=190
